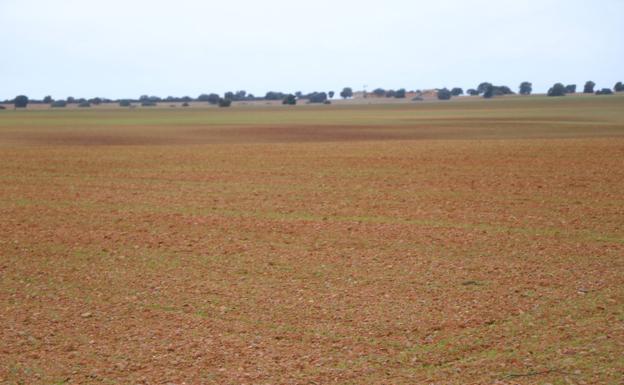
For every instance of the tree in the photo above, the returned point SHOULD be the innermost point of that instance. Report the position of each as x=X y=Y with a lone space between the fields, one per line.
x=488 y=91
x=147 y=100
x=502 y=90
x=347 y=92
x=225 y=102
x=526 y=88
x=71 y=99
x=331 y=94
x=457 y=91
x=619 y=87
x=84 y=104
x=58 y=104
x=570 y=89
x=96 y=101
x=379 y=92
x=481 y=88
x=317 y=97
x=21 y=101
x=48 y=99
x=492 y=90
x=290 y=100
x=589 y=87
x=472 y=92
x=444 y=94
x=203 y=98
x=400 y=93
x=212 y=98
x=557 y=89
x=272 y=95
x=124 y=103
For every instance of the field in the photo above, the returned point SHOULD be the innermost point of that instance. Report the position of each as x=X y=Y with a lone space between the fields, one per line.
x=467 y=242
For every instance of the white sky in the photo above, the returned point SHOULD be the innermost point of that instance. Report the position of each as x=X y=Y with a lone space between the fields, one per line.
x=124 y=48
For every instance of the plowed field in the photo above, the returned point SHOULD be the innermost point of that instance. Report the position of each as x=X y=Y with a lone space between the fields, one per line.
x=466 y=242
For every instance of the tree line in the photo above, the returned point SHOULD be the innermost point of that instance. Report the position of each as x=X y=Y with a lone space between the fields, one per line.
x=486 y=90
x=558 y=89
x=226 y=100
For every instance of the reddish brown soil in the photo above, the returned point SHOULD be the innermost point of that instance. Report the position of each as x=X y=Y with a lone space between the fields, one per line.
x=214 y=134
x=381 y=262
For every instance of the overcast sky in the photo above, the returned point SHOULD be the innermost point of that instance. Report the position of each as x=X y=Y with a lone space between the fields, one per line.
x=121 y=48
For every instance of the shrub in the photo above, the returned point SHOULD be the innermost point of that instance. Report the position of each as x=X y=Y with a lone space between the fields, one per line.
x=472 y=92
x=185 y=104
x=400 y=93
x=2 y=108
x=225 y=102
x=124 y=103
x=604 y=91
x=570 y=89
x=84 y=104
x=619 y=87
x=58 y=104
x=148 y=103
